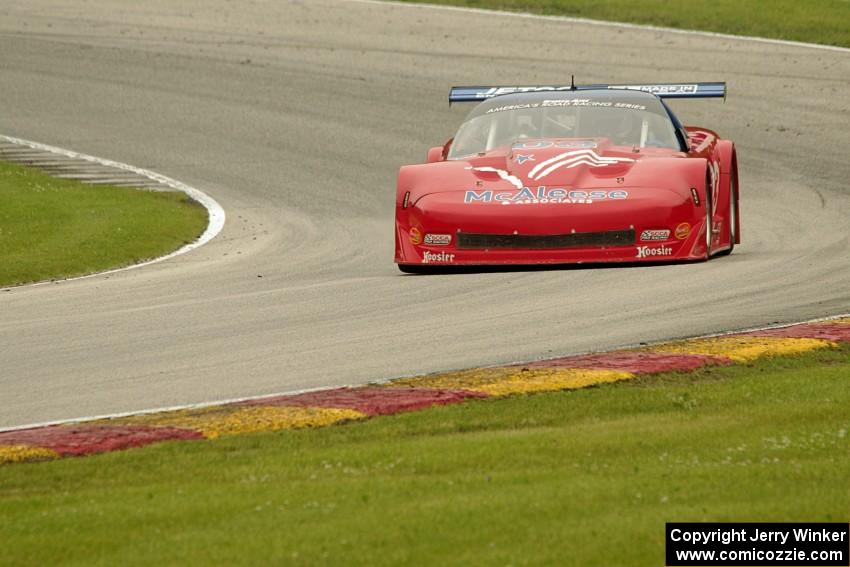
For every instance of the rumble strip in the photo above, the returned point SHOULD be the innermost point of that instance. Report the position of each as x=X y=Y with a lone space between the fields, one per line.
x=329 y=407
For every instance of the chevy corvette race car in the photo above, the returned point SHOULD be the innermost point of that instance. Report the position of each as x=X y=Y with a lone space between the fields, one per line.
x=570 y=174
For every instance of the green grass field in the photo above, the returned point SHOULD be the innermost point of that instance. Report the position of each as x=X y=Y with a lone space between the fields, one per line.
x=823 y=21
x=576 y=478
x=52 y=228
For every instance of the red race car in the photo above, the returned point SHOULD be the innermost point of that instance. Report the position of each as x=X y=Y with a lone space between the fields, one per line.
x=569 y=175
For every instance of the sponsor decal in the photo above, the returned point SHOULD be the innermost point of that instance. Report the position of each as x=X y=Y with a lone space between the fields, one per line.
x=544 y=196
x=497 y=91
x=512 y=107
x=660 y=234
x=659 y=89
x=543 y=144
x=444 y=257
x=415 y=236
x=521 y=159
x=575 y=158
x=573 y=102
x=683 y=231
x=654 y=89
x=570 y=103
x=649 y=251
x=438 y=239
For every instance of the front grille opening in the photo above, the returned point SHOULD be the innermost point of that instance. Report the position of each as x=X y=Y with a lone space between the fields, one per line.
x=472 y=241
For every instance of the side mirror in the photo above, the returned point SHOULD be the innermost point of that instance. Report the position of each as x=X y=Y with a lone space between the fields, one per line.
x=435 y=154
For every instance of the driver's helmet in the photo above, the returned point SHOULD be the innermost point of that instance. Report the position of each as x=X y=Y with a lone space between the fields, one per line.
x=526 y=128
x=626 y=128
x=622 y=127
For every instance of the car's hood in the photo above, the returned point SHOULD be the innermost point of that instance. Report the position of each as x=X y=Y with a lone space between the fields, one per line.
x=570 y=163
x=551 y=164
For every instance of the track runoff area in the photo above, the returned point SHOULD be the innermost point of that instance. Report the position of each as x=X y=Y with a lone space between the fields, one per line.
x=685 y=543
x=338 y=405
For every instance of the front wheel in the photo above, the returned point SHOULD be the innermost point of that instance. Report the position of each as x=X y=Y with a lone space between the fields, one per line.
x=733 y=218
x=412 y=268
x=708 y=232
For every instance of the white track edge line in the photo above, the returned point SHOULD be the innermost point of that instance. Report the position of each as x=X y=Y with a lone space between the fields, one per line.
x=215 y=212
x=624 y=25
x=200 y=405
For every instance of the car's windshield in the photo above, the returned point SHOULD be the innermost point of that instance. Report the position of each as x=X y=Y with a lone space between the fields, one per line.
x=623 y=117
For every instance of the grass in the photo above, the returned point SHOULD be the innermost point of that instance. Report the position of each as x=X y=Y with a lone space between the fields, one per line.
x=581 y=478
x=53 y=228
x=824 y=21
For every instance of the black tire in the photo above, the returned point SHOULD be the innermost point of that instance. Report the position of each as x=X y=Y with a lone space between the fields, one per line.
x=708 y=224
x=733 y=217
x=412 y=268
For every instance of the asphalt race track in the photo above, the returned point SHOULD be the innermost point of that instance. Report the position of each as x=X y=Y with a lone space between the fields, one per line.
x=295 y=116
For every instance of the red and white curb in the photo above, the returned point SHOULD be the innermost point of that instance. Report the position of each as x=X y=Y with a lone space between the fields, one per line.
x=322 y=408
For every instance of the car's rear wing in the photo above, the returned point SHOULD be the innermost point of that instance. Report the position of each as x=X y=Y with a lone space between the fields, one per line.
x=662 y=90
